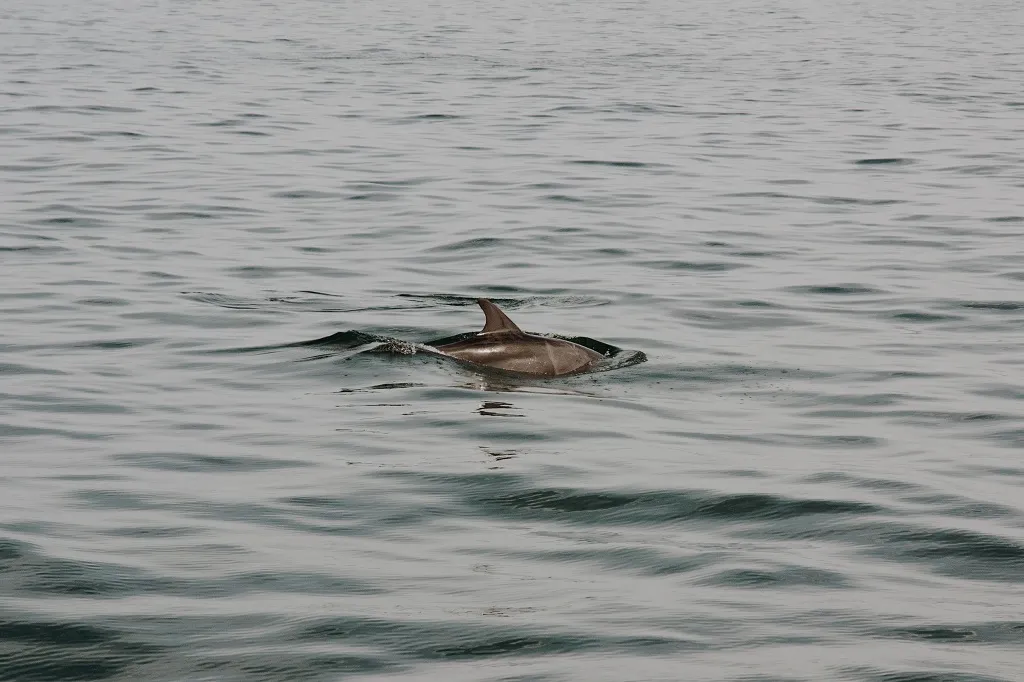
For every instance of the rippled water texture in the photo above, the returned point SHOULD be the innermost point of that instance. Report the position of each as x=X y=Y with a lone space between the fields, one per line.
x=225 y=226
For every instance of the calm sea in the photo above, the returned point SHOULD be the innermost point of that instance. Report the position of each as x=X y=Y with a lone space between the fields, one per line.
x=809 y=216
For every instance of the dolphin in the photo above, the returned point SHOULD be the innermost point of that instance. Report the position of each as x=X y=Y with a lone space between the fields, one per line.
x=503 y=345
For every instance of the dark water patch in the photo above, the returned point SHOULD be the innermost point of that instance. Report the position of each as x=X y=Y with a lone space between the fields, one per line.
x=961 y=507
x=370 y=520
x=419 y=639
x=307 y=194
x=866 y=399
x=826 y=200
x=346 y=340
x=834 y=289
x=382 y=387
x=945 y=417
x=895 y=375
x=751 y=303
x=223 y=123
x=614 y=252
x=223 y=300
x=371 y=185
x=53 y=651
x=15 y=431
x=877 y=484
x=183 y=461
x=112 y=344
x=73 y=208
x=616 y=164
x=548 y=185
x=109 y=109
x=13 y=550
x=921 y=317
x=996 y=471
x=32 y=249
x=216 y=209
x=31 y=167
x=165 y=276
x=866 y=674
x=889 y=161
x=278 y=582
x=1006 y=219
x=70 y=221
x=35 y=573
x=71 y=634
x=723 y=319
x=785 y=577
x=179 y=215
x=372 y=196
x=315 y=249
x=977 y=169
x=497 y=408
x=471 y=244
x=692 y=266
x=267 y=272
x=62 y=138
x=62 y=405
x=998 y=632
x=352 y=513
x=12 y=369
x=118 y=500
x=855 y=201
x=119 y=133
x=908 y=242
x=631 y=560
x=1013 y=438
x=509 y=496
x=433 y=117
x=992 y=306
x=840 y=414
x=270 y=663
x=1011 y=392
x=153 y=532
x=959 y=553
x=104 y=302
x=786 y=439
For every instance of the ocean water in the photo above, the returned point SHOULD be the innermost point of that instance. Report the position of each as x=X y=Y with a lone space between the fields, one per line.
x=225 y=226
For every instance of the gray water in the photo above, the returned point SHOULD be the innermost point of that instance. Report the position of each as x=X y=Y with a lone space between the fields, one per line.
x=809 y=217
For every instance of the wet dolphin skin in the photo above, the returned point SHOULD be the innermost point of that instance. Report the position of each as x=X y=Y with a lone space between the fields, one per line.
x=503 y=345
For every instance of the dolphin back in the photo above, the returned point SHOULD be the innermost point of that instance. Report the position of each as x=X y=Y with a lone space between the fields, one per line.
x=501 y=344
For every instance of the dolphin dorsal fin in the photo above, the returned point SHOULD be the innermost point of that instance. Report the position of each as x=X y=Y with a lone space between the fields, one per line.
x=496 y=320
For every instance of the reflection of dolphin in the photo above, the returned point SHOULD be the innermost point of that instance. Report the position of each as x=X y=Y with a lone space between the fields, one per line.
x=502 y=345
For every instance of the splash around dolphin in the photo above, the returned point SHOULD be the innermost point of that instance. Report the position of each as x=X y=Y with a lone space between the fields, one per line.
x=502 y=345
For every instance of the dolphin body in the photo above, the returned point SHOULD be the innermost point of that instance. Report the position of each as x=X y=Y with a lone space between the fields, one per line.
x=503 y=345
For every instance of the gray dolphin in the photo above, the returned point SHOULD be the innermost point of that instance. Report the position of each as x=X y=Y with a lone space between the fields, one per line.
x=503 y=345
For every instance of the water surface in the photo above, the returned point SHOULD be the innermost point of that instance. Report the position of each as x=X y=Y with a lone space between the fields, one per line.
x=808 y=217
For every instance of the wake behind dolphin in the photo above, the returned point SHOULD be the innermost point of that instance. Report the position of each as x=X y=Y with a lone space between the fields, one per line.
x=501 y=346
